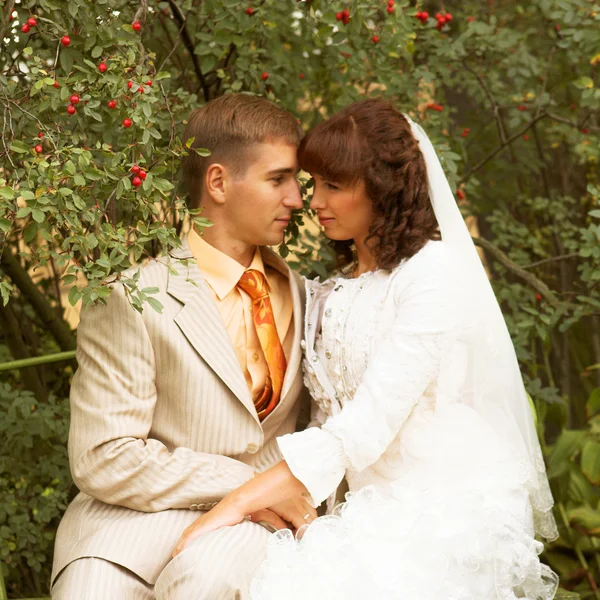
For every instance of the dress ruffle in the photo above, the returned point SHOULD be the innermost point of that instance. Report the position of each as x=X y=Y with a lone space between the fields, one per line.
x=457 y=525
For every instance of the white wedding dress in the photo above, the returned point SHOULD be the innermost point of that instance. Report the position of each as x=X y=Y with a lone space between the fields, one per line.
x=437 y=508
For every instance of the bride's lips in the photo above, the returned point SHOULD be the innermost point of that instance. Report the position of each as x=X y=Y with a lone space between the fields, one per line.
x=326 y=221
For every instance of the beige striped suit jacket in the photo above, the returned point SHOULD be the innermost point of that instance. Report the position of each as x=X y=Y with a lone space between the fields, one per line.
x=162 y=420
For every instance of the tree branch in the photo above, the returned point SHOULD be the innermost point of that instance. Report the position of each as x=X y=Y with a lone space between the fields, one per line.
x=58 y=328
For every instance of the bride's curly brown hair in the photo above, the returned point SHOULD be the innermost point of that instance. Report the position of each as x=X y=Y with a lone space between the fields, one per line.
x=372 y=141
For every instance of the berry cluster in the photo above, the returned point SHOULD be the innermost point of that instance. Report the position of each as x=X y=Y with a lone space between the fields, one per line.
x=442 y=20
x=31 y=22
x=343 y=16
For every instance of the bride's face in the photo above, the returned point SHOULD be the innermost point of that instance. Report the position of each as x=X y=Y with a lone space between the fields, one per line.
x=344 y=210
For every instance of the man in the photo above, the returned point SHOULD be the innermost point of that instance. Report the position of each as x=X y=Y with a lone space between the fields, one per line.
x=171 y=411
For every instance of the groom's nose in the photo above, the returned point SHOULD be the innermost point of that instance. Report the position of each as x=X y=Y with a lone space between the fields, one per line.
x=293 y=199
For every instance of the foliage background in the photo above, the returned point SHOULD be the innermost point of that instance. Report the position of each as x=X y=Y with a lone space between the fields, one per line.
x=508 y=91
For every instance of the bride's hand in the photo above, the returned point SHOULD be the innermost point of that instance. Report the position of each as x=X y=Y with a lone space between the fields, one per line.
x=222 y=515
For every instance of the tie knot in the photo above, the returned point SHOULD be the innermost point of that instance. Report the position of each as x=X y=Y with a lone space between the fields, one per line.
x=254 y=283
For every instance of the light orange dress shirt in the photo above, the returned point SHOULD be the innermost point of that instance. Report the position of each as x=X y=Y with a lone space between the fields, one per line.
x=222 y=274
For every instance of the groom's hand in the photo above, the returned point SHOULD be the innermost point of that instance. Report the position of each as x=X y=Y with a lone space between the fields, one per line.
x=296 y=511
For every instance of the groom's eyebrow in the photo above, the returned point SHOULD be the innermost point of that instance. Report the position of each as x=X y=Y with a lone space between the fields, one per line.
x=283 y=171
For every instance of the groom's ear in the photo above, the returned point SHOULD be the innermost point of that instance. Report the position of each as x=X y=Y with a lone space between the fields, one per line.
x=216 y=182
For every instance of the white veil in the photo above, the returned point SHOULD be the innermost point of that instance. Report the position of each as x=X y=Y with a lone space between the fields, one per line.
x=498 y=390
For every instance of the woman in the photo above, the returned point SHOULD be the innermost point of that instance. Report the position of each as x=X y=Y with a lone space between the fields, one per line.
x=418 y=399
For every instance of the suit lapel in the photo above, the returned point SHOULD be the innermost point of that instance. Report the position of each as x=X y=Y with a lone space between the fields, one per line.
x=201 y=323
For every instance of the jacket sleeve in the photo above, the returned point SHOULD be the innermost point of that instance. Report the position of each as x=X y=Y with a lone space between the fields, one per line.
x=423 y=328
x=113 y=398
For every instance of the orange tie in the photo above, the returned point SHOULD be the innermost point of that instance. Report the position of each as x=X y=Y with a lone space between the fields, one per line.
x=254 y=283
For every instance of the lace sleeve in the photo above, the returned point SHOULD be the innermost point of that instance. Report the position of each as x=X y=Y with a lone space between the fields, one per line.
x=423 y=328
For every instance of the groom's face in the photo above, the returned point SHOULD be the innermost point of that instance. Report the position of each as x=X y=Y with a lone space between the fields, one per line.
x=259 y=203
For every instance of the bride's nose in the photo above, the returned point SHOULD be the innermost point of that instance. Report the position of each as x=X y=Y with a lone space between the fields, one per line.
x=317 y=201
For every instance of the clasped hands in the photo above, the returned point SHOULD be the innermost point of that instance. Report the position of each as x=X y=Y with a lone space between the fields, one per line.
x=291 y=513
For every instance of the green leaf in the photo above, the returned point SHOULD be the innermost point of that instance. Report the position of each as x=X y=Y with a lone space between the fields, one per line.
x=155 y=304
x=584 y=83
x=38 y=215
x=19 y=147
x=23 y=212
x=74 y=295
x=585 y=518
x=568 y=445
x=97 y=51
x=5 y=225
x=593 y=403
x=590 y=461
x=7 y=193
x=162 y=75
x=30 y=232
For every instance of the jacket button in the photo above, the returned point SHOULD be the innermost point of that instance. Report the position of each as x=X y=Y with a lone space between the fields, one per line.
x=252 y=449
x=193 y=507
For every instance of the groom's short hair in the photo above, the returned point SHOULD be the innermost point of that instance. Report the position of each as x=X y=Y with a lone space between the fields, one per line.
x=229 y=126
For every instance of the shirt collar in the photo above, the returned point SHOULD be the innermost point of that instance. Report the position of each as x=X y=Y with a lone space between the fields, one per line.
x=221 y=271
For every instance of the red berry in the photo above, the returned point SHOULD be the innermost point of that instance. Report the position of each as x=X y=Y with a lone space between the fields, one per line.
x=301 y=76
x=142 y=174
x=448 y=17
x=140 y=90
x=39 y=148
x=584 y=130
x=136 y=181
x=71 y=109
x=346 y=13
x=434 y=106
x=375 y=39
x=74 y=99
x=130 y=84
x=31 y=22
x=112 y=104
x=136 y=25
x=465 y=132
x=135 y=169
x=438 y=16
x=557 y=27
x=149 y=83
x=346 y=54
x=439 y=25
x=460 y=194
x=424 y=16
x=346 y=20
x=250 y=11
x=525 y=137
x=538 y=297
x=40 y=134
x=264 y=76
x=11 y=18
x=127 y=123
x=102 y=67
x=339 y=16
x=390 y=10
x=65 y=40
x=25 y=28
x=56 y=84
x=522 y=107
x=470 y=19
x=391 y=3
